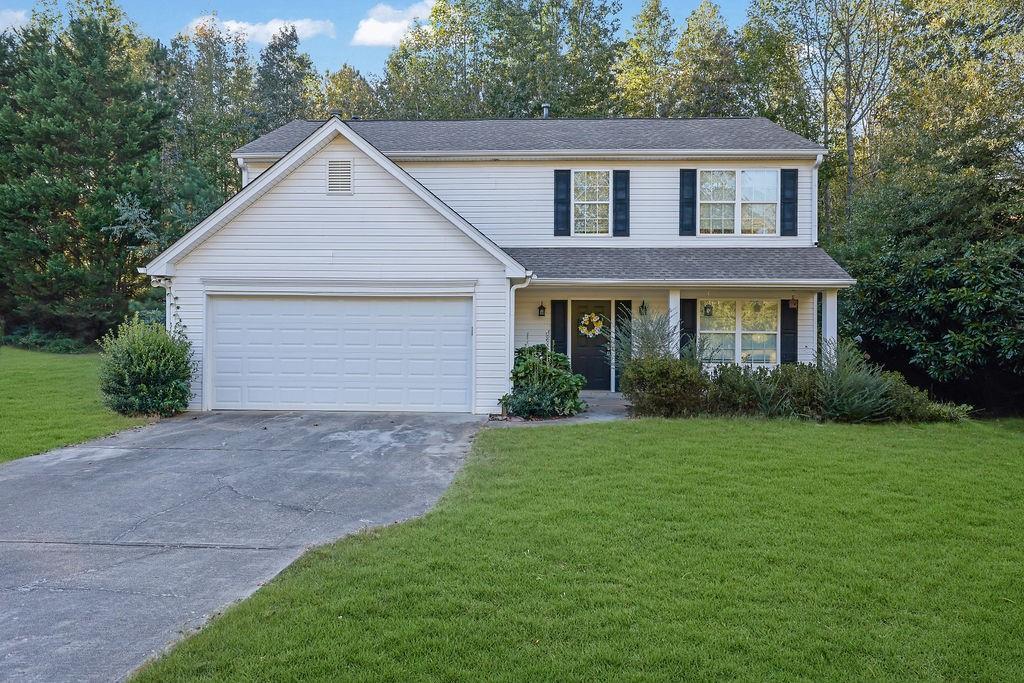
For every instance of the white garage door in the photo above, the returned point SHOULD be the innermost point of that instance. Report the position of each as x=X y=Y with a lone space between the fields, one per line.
x=325 y=353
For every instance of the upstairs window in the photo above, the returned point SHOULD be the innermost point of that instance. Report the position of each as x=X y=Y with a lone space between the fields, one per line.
x=339 y=176
x=591 y=202
x=744 y=202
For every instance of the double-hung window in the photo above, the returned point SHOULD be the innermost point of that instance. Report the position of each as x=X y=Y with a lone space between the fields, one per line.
x=739 y=331
x=591 y=202
x=743 y=202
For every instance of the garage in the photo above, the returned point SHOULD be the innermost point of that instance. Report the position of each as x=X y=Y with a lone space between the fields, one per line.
x=340 y=353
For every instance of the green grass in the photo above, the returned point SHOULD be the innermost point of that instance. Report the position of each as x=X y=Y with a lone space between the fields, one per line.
x=49 y=400
x=662 y=550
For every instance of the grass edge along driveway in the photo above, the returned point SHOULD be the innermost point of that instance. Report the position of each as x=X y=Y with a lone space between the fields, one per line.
x=658 y=550
x=48 y=400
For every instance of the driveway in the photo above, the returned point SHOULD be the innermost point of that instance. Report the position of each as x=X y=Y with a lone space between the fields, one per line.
x=111 y=551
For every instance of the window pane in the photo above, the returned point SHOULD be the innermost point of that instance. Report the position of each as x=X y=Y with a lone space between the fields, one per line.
x=717 y=347
x=590 y=219
x=717 y=219
x=759 y=186
x=757 y=219
x=718 y=186
x=717 y=315
x=757 y=348
x=590 y=186
x=760 y=316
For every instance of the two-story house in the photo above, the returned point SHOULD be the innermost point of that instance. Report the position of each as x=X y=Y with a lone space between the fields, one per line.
x=396 y=265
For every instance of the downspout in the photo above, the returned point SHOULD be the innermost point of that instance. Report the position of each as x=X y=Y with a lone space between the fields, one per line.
x=512 y=317
x=814 y=198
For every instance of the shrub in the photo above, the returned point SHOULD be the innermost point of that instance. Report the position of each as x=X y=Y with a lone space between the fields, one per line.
x=652 y=335
x=851 y=388
x=733 y=391
x=146 y=370
x=543 y=385
x=910 y=404
x=801 y=384
x=665 y=387
x=37 y=340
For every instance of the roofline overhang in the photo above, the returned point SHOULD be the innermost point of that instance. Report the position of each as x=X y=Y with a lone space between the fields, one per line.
x=624 y=154
x=723 y=284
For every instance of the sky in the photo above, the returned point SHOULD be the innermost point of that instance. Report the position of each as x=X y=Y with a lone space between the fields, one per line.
x=360 y=32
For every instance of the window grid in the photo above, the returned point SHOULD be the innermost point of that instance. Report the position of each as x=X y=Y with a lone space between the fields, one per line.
x=727 y=345
x=591 y=203
x=748 y=210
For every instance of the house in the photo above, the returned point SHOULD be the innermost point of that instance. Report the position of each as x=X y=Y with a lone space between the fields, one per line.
x=396 y=265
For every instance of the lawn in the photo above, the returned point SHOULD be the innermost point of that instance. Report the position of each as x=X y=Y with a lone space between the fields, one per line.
x=49 y=400
x=662 y=550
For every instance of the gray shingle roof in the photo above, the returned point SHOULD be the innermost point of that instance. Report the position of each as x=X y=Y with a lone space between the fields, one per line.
x=680 y=263
x=538 y=135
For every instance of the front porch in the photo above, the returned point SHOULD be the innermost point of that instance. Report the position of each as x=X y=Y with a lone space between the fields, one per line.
x=752 y=325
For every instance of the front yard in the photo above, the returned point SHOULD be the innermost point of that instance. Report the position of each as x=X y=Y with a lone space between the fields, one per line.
x=661 y=550
x=49 y=400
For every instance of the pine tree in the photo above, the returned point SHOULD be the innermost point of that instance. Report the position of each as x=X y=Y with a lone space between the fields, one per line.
x=707 y=82
x=283 y=80
x=82 y=128
x=644 y=73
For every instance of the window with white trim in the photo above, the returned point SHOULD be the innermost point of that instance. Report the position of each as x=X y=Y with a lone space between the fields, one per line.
x=591 y=202
x=739 y=331
x=744 y=202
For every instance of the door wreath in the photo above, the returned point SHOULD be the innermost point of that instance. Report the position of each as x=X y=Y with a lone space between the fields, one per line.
x=590 y=325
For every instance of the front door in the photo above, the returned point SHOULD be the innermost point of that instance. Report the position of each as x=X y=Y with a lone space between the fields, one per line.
x=589 y=354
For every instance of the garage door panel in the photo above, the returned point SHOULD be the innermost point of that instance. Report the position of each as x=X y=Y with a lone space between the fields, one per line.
x=322 y=353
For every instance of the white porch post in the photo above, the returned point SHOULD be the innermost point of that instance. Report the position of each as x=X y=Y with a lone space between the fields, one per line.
x=673 y=314
x=830 y=318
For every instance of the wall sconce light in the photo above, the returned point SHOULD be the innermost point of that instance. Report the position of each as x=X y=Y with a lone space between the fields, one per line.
x=794 y=302
x=541 y=311
x=643 y=307
x=709 y=310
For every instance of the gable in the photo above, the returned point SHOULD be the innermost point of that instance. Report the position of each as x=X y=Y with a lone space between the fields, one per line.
x=295 y=188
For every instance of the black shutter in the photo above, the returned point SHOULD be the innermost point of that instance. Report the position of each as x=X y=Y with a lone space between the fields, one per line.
x=787 y=354
x=688 y=202
x=563 y=182
x=560 y=326
x=620 y=206
x=623 y=316
x=687 y=323
x=788 y=223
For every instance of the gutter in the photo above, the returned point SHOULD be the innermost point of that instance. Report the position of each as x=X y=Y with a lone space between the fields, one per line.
x=528 y=154
x=814 y=197
x=837 y=283
x=512 y=317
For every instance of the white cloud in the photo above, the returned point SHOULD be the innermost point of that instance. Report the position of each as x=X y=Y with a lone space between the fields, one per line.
x=262 y=32
x=385 y=25
x=13 y=18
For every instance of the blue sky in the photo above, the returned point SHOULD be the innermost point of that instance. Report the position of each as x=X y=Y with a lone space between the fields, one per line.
x=359 y=32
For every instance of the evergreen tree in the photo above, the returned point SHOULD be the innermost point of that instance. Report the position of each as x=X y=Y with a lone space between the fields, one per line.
x=644 y=73
x=707 y=82
x=284 y=79
x=81 y=125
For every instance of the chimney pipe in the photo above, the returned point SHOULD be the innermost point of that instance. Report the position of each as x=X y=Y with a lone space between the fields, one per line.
x=545 y=111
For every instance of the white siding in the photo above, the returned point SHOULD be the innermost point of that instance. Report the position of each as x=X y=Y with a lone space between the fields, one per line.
x=381 y=232
x=253 y=169
x=532 y=329
x=512 y=202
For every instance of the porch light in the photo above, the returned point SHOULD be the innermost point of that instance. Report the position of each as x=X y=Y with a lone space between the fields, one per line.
x=541 y=310
x=794 y=302
x=643 y=307
x=709 y=310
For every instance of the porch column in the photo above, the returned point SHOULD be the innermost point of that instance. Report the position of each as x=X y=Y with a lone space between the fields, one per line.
x=673 y=315
x=830 y=318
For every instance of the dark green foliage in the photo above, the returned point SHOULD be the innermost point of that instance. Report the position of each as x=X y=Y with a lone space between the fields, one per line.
x=80 y=127
x=37 y=340
x=543 y=385
x=851 y=389
x=665 y=387
x=146 y=370
x=283 y=77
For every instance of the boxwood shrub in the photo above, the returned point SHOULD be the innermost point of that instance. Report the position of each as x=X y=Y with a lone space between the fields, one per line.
x=146 y=370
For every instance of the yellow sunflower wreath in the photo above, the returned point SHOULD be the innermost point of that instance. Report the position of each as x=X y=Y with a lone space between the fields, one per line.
x=590 y=325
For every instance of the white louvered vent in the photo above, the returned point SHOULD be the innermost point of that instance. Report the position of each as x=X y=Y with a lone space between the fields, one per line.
x=339 y=176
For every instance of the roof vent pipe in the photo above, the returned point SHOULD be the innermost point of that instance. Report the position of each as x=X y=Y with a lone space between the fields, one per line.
x=545 y=111
x=336 y=113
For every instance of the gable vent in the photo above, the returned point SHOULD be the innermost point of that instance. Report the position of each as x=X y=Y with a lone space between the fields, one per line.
x=339 y=176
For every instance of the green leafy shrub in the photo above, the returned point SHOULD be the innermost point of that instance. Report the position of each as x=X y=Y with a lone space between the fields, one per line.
x=543 y=385
x=910 y=404
x=665 y=387
x=851 y=388
x=734 y=391
x=146 y=370
x=801 y=384
x=37 y=340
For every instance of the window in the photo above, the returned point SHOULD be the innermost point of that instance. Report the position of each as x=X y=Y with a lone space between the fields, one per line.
x=339 y=176
x=742 y=202
x=745 y=331
x=591 y=202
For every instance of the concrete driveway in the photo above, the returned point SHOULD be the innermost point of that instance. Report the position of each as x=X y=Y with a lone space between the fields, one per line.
x=111 y=551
